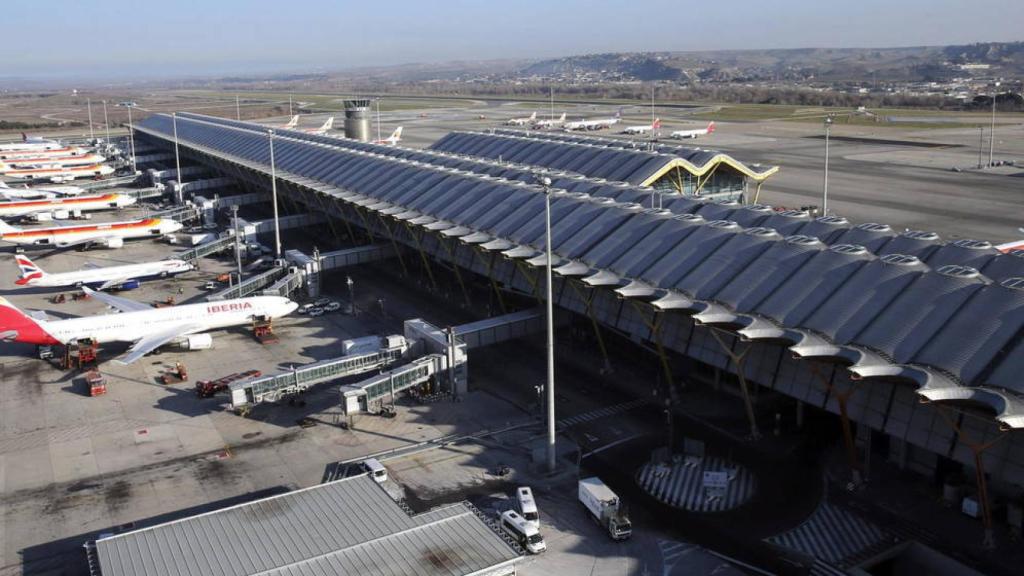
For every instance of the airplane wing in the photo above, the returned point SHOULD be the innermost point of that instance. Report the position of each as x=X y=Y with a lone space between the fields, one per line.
x=90 y=266
x=155 y=340
x=116 y=282
x=122 y=304
x=81 y=241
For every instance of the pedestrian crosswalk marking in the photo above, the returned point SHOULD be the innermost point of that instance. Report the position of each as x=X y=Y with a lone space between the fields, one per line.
x=599 y=413
x=681 y=484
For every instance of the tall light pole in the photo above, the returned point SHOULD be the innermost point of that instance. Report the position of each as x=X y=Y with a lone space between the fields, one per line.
x=545 y=182
x=131 y=137
x=992 y=129
x=378 y=119
x=238 y=109
x=981 y=144
x=238 y=248
x=552 y=88
x=88 y=103
x=106 y=122
x=177 y=157
x=351 y=295
x=273 y=196
x=289 y=105
x=824 y=194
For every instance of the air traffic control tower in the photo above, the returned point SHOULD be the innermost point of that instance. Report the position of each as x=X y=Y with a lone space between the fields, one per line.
x=357 y=120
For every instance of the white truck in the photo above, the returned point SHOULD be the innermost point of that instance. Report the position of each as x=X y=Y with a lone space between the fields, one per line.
x=605 y=508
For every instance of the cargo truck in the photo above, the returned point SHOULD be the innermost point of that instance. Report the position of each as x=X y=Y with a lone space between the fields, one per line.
x=605 y=508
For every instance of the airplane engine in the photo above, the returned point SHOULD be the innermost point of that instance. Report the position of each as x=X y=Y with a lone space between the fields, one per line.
x=113 y=242
x=198 y=342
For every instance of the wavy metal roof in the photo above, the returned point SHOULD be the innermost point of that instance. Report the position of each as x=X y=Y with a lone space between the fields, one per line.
x=828 y=289
x=595 y=157
x=350 y=526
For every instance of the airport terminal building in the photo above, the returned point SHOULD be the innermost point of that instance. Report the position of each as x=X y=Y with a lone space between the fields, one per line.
x=914 y=341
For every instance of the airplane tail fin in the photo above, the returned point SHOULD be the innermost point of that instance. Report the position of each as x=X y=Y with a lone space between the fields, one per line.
x=711 y=127
x=533 y=116
x=327 y=125
x=562 y=119
x=3 y=184
x=16 y=326
x=396 y=135
x=6 y=228
x=656 y=124
x=29 y=270
x=293 y=122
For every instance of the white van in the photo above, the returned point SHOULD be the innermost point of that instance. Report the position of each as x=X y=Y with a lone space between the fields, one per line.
x=523 y=532
x=376 y=470
x=527 y=506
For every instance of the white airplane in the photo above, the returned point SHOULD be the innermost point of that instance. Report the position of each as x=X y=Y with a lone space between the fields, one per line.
x=522 y=121
x=395 y=138
x=656 y=125
x=27 y=193
x=683 y=134
x=124 y=277
x=1011 y=246
x=321 y=130
x=107 y=234
x=145 y=327
x=58 y=173
x=90 y=203
x=31 y=143
x=74 y=160
x=291 y=123
x=550 y=123
x=598 y=124
x=41 y=155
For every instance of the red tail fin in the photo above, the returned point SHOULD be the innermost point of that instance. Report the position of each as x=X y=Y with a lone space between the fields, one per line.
x=711 y=127
x=15 y=326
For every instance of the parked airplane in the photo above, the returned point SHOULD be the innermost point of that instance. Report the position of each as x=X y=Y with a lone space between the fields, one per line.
x=1011 y=246
x=107 y=234
x=145 y=327
x=30 y=143
x=74 y=160
x=522 y=121
x=58 y=173
x=124 y=277
x=83 y=203
x=656 y=125
x=27 y=193
x=550 y=123
x=395 y=138
x=682 y=134
x=597 y=124
x=321 y=130
x=291 y=123
x=40 y=153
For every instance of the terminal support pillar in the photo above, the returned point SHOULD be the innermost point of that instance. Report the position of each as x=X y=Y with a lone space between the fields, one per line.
x=330 y=221
x=394 y=244
x=532 y=280
x=340 y=211
x=707 y=178
x=842 y=399
x=737 y=362
x=588 y=300
x=757 y=193
x=654 y=324
x=455 y=266
x=489 y=263
x=977 y=450
x=423 y=258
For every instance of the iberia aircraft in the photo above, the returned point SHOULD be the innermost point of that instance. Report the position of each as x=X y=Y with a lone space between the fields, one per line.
x=73 y=160
x=41 y=153
x=83 y=203
x=144 y=327
x=107 y=234
x=58 y=173
x=26 y=193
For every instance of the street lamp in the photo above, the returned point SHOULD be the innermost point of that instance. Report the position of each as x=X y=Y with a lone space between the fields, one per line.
x=131 y=137
x=992 y=128
x=106 y=122
x=539 y=388
x=351 y=295
x=238 y=248
x=273 y=196
x=177 y=157
x=88 y=103
x=545 y=182
x=824 y=195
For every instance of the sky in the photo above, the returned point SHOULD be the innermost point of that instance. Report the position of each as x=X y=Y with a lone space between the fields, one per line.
x=172 y=38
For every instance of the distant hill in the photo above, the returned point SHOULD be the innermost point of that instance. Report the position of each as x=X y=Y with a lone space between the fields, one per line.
x=924 y=63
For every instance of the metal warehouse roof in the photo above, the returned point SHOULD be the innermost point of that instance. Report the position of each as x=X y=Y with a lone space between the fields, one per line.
x=591 y=156
x=949 y=317
x=350 y=526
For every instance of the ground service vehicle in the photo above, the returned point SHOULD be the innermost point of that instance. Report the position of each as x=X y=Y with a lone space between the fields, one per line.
x=527 y=505
x=523 y=532
x=605 y=508
x=376 y=470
